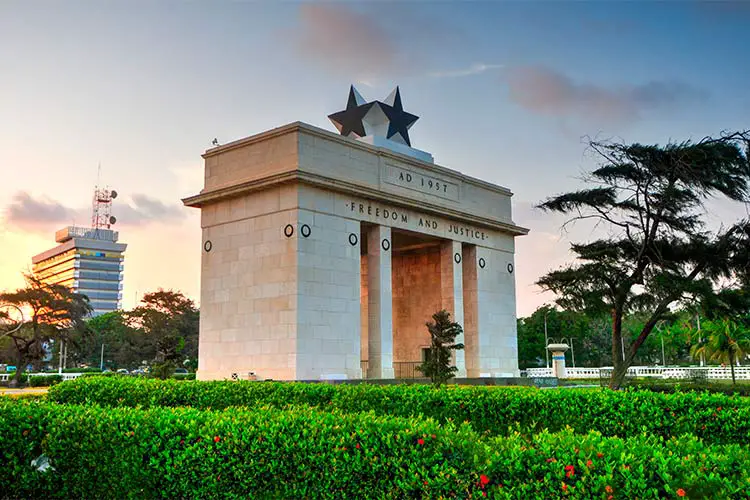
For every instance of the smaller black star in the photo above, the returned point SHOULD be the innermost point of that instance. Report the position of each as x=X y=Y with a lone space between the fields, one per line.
x=399 y=120
x=349 y=121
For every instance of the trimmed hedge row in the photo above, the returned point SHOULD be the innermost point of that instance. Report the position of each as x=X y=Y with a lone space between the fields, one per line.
x=717 y=419
x=45 y=380
x=97 y=452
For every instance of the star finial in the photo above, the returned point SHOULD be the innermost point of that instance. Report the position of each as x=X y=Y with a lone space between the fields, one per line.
x=385 y=118
x=399 y=121
x=349 y=122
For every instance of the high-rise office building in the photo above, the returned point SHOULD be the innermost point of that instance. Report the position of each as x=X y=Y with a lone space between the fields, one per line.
x=89 y=261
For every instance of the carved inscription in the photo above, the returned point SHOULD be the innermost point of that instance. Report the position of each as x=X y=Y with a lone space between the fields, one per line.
x=400 y=218
x=420 y=182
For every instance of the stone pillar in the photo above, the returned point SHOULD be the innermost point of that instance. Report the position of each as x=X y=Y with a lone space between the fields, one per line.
x=452 y=293
x=558 y=359
x=469 y=276
x=379 y=303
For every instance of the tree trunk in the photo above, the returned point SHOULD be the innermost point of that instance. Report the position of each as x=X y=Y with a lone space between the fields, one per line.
x=20 y=367
x=731 y=365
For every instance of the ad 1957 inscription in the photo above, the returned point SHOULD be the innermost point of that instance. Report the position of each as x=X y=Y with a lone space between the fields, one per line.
x=421 y=182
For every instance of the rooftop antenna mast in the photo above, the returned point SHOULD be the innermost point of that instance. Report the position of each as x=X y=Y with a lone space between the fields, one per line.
x=101 y=217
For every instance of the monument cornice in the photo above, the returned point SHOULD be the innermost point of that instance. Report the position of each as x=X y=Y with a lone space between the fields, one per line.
x=354 y=189
x=301 y=127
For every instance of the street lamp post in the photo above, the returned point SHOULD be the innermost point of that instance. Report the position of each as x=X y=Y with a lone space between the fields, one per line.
x=101 y=360
x=546 y=340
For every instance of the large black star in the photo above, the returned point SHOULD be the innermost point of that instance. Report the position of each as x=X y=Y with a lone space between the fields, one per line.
x=350 y=120
x=399 y=121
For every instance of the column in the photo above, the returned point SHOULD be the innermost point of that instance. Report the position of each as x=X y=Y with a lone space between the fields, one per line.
x=379 y=303
x=469 y=266
x=452 y=295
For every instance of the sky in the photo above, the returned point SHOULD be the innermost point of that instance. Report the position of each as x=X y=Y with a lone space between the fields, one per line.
x=506 y=91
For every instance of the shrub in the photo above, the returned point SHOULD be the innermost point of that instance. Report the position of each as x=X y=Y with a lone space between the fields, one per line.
x=44 y=380
x=304 y=453
x=715 y=418
x=184 y=376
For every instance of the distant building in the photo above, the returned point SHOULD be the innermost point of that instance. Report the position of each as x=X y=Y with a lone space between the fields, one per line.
x=88 y=261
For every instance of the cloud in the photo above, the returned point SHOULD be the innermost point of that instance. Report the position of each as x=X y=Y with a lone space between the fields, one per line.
x=35 y=214
x=145 y=209
x=367 y=45
x=474 y=69
x=546 y=91
x=27 y=212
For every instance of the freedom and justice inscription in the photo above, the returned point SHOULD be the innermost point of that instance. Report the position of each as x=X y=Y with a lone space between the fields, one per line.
x=407 y=220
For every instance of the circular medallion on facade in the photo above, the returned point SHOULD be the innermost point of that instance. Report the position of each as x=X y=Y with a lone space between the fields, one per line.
x=207 y=246
x=305 y=230
x=510 y=268
x=386 y=244
x=353 y=239
x=457 y=258
x=288 y=230
x=482 y=262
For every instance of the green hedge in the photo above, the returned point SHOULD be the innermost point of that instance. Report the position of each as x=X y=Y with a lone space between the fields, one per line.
x=715 y=418
x=304 y=453
x=44 y=380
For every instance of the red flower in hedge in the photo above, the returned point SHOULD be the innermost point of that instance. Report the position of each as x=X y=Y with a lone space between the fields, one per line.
x=570 y=471
x=357 y=446
x=599 y=454
x=589 y=463
x=608 y=489
x=433 y=436
x=420 y=441
x=425 y=483
x=551 y=460
x=718 y=409
x=182 y=441
x=681 y=492
x=217 y=439
x=484 y=480
x=564 y=487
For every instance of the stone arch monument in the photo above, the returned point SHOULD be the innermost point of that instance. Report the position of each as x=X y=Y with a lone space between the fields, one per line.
x=324 y=254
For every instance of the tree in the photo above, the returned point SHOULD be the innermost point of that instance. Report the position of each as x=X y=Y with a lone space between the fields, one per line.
x=56 y=314
x=168 y=322
x=726 y=342
x=124 y=346
x=443 y=333
x=658 y=252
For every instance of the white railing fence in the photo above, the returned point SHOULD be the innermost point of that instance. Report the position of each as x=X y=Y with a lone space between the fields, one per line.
x=687 y=372
x=5 y=377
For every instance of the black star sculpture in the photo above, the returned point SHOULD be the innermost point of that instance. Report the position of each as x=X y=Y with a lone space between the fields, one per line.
x=359 y=116
x=349 y=121
x=399 y=120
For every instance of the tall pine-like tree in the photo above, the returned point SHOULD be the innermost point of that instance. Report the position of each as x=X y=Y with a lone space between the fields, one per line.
x=443 y=333
x=658 y=251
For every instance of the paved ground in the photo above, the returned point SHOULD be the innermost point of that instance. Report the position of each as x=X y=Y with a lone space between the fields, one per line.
x=4 y=391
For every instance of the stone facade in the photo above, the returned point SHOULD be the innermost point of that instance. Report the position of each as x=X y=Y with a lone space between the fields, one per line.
x=321 y=251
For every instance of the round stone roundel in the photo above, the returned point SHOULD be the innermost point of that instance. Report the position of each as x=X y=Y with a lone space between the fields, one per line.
x=482 y=262
x=457 y=258
x=510 y=268
x=305 y=230
x=386 y=244
x=353 y=239
x=207 y=246
x=288 y=230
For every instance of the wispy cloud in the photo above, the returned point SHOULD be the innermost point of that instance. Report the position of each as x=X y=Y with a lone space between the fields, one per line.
x=42 y=213
x=27 y=212
x=546 y=91
x=474 y=69
x=368 y=45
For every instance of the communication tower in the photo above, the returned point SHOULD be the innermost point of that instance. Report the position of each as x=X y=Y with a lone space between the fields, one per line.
x=102 y=217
